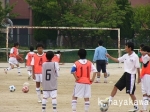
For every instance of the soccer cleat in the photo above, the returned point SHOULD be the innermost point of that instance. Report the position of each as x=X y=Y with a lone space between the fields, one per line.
x=5 y=70
x=107 y=100
x=29 y=77
x=19 y=74
x=39 y=101
x=97 y=82
x=135 y=109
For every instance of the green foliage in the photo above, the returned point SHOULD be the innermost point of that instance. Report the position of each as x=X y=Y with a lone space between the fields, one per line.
x=141 y=24
x=3 y=14
x=141 y=18
x=90 y=13
x=125 y=27
x=6 y=10
x=105 y=13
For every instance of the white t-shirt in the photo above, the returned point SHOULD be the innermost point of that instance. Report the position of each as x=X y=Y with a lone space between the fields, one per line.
x=145 y=59
x=12 y=51
x=27 y=55
x=83 y=61
x=58 y=55
x=131 y=62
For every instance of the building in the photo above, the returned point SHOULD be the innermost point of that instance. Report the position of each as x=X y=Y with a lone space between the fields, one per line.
x=24 y=18
x=3 y=3
x=139 y=2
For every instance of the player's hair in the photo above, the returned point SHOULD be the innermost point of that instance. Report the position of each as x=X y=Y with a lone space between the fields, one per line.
x=31 y=48
x=16 y=44
x=39 y=45
x=145 y=48
x=130 y=45
x=82 y=53
x=100 y=42
x=49 y=55
x=148 y=49
x=142 y=45
x=58 y=52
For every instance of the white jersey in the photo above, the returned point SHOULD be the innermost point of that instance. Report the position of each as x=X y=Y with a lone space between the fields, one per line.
x=49 y=76
x=145 y=59
x=12 y=51
x=131 y=62
x=27 y=55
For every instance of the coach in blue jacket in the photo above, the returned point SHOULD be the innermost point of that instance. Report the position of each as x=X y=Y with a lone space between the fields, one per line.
x=101 y=61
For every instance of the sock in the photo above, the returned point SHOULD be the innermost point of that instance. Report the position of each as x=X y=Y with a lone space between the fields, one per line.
x=74 y=103
x=98 y=78
x=44 y=105
x=86 y=106
x=9 y=68
x=38 y=93
x=18 y=70
x=29 y=73
x=54 y=104
x=110 y=98
x=105 y=79
x=145 y=103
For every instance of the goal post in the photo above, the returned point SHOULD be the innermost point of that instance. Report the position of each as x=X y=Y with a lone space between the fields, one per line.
x=62 y=28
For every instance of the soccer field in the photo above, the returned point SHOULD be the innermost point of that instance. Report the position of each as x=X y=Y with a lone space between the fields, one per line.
x=27 y=102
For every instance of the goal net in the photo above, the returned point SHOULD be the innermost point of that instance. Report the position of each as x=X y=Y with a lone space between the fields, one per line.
x=64 y=29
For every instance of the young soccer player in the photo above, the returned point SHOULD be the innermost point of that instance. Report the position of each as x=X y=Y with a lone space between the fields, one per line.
x=81 y=72
x=145 y=76
x=56 y=57
x=140 y=55
x=37 y=61
x=28 y=61
x=12 y=58
x=131 y=66
x=49 y=81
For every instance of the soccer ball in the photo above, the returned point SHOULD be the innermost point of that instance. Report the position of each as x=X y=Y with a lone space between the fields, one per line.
x=12 y=88
x=108 y=74
x=103 y=106
x=20 y=58
x=25 y=89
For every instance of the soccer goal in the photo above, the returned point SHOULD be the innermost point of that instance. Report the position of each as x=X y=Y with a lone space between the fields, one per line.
x=62 y=28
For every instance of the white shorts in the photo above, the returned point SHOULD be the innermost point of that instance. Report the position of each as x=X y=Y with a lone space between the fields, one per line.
x=50 y=94
x=29 y=68
x=13 y=61
x=82 y=90
x=145 y=84
x=38 y=77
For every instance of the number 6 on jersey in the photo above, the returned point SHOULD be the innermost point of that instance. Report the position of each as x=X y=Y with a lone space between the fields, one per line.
x=48 y=75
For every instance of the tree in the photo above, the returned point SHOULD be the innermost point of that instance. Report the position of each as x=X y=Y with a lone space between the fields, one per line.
x=3 y=14
x=104 y=13
x=141 y=23
x=141 y=18
x=125 y=28
x=91 y=13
